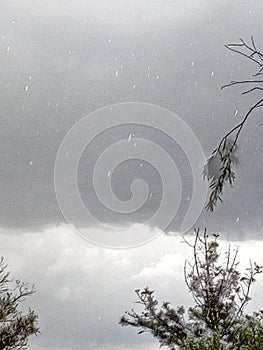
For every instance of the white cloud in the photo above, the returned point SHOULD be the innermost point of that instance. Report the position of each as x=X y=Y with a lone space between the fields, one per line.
x=169 y=265
x=82 y=290
x=79 y=284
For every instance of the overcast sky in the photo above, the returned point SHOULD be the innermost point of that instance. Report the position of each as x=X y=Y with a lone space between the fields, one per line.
x=60 y=61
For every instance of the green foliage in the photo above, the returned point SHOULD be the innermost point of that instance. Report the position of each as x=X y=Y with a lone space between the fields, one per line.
x=220 y=293
x=249 y=335
x=217 y=320
x=165 y=323
x=219 y=290
x=15 y=326
x=246 y=336
x=206 y=343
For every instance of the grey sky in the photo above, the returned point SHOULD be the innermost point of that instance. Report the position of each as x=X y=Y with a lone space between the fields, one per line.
x=59 y=61
x=59 y=65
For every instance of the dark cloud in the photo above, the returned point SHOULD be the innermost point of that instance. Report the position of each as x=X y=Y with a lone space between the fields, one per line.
x=62 y=60
x=60 y=63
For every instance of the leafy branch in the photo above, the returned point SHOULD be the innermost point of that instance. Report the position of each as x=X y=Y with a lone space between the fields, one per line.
x=225 y=154
x=15 y=327
x=220 y=293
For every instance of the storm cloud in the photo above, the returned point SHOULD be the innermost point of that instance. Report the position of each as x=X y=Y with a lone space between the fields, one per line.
x=60 y=61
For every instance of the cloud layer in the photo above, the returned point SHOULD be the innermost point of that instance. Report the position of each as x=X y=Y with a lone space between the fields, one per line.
x=82 y=290
x=62 y=61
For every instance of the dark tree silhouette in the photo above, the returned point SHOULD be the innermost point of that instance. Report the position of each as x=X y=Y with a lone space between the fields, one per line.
x=217 y=320
x=15 y=326
x=220 y=293
x=225 y=154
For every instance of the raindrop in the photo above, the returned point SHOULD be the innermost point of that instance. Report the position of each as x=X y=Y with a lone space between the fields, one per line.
x=8 y=48
x=26 y=88
x=31 y=162
x=129 y=138
x=134 y=86
x=116 y=73
x=193 y=62
x=157 y=77
x=109 y=173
